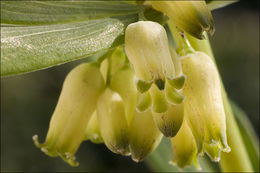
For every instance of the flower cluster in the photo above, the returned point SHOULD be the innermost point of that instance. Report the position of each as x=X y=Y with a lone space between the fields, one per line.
x=143 y=91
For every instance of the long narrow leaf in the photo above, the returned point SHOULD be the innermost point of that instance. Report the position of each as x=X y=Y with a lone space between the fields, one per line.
x=25 y=49
x=54 y=12
x=248 y=134
x=216 y=4
x=40 y=34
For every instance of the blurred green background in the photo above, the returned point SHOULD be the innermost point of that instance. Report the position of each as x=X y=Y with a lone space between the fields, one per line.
x=28 y=100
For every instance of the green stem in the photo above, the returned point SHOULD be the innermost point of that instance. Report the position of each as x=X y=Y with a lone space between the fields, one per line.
x=182 y=44
x=237 y=160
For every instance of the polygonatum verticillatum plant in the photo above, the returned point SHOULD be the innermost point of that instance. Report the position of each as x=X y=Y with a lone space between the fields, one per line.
x=148 y=83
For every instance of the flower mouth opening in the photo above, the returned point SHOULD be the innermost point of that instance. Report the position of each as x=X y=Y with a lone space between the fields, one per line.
x=160 y=84
x=50 y=151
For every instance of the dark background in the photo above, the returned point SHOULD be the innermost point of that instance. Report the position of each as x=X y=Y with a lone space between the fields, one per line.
x=27 y=101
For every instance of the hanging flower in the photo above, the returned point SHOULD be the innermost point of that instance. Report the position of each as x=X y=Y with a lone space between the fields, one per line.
x=75 y=106
x=147 y=48
x=203 y=105
x=193 y=17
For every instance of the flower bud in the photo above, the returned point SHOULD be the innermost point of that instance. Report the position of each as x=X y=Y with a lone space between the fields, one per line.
x=213 y=152
x=193 y=17
x=203 y=104
x=184 y=147
x=144 y=135
x=112 y=122
x=92 y=131
x=77 y=102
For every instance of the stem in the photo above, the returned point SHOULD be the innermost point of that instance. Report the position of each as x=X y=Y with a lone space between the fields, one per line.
x=183 y=46
x=237 y=160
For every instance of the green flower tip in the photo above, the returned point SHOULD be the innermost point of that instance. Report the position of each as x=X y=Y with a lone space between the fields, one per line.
x=144 y=102
x=67 y=157
x=186 y=163
x=177 y=82
x=170 y=121
x=143 y=86
x=143 y=140
x=173 y=95
x=44 y=148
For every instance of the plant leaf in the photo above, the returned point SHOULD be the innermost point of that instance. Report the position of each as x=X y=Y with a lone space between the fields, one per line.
x=54 y=12
x=25 y=49
x=41 y=34
x=216 y=4
x=248 y=134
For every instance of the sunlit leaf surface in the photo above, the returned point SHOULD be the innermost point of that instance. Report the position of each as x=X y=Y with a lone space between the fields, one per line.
x=40 y=34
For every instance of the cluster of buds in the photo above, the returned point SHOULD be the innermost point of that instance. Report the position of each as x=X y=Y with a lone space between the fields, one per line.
x=141 y=92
